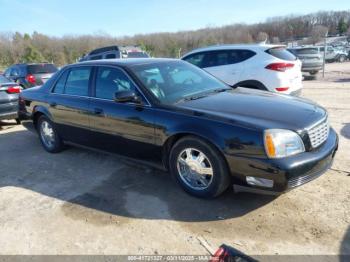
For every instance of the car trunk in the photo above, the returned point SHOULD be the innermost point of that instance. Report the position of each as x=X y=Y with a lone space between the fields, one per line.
x=40 y=73
x=309 y=56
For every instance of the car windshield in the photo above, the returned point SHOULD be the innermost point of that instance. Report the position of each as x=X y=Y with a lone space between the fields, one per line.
x=4 y=80
x=174 y=81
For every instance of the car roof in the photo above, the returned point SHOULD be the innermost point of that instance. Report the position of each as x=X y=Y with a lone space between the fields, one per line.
x=126 y=62
x=235 y=46
x=27 y=64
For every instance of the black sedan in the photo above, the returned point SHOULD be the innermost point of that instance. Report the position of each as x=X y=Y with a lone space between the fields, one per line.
x=208 y=135
x=9 y=91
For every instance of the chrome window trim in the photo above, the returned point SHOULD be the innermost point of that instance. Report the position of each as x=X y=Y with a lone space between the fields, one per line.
x=128 y=103
x=70 y=95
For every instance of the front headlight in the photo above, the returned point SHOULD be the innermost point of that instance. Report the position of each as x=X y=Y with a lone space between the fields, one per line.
x=282 y=143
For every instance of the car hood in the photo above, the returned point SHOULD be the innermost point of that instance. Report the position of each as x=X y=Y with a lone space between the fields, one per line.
x=257 y=109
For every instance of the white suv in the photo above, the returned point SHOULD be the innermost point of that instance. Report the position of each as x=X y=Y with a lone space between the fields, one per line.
x=265 y=67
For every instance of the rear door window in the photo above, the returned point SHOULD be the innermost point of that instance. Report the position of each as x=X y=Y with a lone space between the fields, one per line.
x=41 y=69
x=281 y=53
x=78 y=81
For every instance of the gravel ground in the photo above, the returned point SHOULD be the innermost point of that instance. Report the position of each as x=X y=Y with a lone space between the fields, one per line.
x=82 y=202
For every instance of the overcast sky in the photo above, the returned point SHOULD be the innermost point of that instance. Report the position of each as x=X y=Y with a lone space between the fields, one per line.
x=123 y=17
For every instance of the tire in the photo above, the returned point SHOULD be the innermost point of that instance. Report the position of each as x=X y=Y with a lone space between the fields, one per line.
x=342 y=58
x=49 y=138
x=18 y=122
x=217 y=183
x=314 y=73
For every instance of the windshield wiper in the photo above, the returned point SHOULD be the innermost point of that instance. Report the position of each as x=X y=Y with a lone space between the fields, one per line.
x=195 y=97
x=190 y=98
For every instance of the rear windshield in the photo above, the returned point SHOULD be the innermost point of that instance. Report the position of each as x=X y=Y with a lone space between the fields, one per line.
x=306 y=51
x=137 y=55
x=41 y=69
x=4 y=80
x=281 y=53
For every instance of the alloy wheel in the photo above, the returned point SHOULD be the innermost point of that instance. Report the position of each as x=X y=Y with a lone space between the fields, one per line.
x=195 y=169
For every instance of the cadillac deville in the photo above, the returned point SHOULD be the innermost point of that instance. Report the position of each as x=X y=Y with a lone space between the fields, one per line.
x=169 y=112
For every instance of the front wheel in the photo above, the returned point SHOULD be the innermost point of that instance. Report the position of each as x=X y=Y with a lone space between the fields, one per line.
x=199 y=167
x=48 y=135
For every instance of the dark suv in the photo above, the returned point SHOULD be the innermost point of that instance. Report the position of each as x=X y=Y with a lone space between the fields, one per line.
x=29 y=75
x=113 y=52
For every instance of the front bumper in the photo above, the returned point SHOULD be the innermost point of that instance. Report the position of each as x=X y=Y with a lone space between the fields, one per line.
x=311 y=67
x=296 y=92
x=289 y=172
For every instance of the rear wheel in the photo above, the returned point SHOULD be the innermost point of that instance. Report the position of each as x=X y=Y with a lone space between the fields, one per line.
x=48 y=135
x=199 y=167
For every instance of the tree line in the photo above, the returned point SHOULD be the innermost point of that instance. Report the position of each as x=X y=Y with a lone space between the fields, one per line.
x=16 y=47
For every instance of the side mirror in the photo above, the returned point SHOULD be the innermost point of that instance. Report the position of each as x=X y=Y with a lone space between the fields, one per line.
x=127 y=97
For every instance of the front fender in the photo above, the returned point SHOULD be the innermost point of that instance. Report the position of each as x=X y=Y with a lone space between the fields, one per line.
x=227 y=137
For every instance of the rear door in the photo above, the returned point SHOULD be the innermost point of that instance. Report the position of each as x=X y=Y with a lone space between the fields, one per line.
x=69 y=104
x=40 y=73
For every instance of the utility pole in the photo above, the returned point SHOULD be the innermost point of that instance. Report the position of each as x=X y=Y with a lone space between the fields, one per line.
x=324 y=53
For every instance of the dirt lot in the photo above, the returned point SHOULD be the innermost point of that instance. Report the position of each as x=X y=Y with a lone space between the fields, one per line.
x=82 y=202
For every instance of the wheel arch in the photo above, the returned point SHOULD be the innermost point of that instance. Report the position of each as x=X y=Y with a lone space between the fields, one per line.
x=171 y=141
x=254 y=84
x=38 y=112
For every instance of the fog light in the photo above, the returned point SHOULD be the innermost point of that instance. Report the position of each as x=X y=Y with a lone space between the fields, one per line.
x=257 y=181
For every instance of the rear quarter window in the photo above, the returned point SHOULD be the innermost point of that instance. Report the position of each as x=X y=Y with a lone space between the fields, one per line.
x=59 y=87
x=281 y=53
x=195 y=59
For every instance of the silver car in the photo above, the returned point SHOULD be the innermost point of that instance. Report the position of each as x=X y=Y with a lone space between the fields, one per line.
x=311 y=58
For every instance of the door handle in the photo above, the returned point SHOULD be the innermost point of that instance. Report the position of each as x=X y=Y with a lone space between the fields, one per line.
x=98 y=111
x=53 y=104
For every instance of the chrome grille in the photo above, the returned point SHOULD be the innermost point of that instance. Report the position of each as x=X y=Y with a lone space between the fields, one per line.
x=318 y=133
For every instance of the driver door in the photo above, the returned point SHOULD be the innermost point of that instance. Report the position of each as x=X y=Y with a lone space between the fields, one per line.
x=123 y=128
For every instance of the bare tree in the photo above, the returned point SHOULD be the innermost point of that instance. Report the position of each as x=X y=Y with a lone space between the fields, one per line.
x=318 y=33
x=262 y=37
